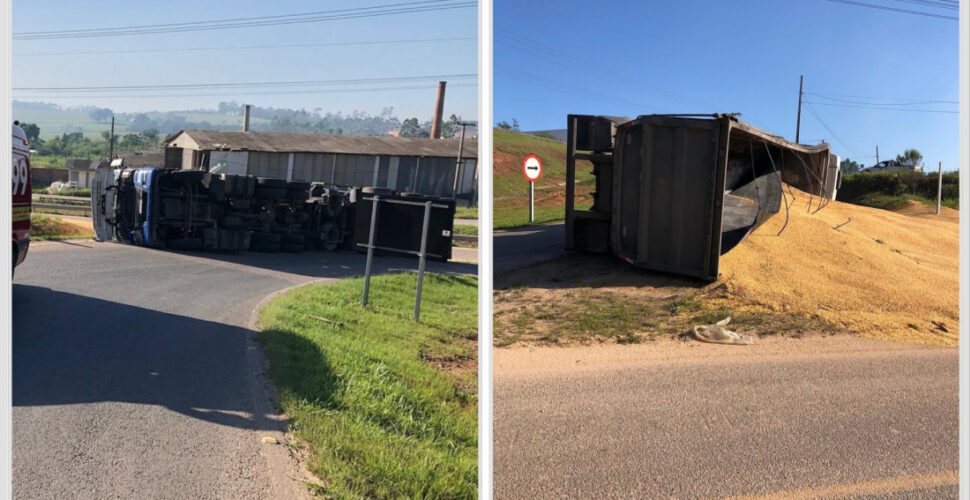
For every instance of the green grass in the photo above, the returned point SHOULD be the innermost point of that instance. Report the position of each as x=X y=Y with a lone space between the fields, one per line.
x=51 y=227
x=466 y=229
x=514 y=217
x=386 y=406
x=466 y=212
x=888 y=202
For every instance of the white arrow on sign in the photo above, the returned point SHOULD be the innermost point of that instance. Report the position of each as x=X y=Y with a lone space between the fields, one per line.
x=532 y=168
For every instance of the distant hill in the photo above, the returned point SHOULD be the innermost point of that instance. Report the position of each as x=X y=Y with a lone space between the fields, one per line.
x=91 y=121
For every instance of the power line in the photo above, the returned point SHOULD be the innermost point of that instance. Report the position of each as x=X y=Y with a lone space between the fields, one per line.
x=907 y=103
x=939 y=4
x=894 y=9
x=819 y=118
x=125 y=88
x=887 y=108
x=308 y=17
x=249 y=47
x=879 y=97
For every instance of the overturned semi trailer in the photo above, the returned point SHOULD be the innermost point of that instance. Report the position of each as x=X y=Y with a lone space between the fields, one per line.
x=195 y=210
x=675 y=192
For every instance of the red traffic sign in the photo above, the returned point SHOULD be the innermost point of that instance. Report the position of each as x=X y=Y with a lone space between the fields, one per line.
x=532 y=168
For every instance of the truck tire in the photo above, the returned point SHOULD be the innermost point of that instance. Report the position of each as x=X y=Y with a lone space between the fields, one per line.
x=264 y=247
x=292 y=239
x=263 y=238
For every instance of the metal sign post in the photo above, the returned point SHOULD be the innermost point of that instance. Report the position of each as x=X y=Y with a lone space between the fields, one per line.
x=532 y=169
x=532 y=201
x=422 y=257
x=370 y=247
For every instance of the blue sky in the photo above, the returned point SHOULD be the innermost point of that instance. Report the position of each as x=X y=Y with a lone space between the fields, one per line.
x=692 y=56
x=75 y=66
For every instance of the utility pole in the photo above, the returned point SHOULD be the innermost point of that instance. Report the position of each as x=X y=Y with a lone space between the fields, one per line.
x=877 y=154
x=939 y=190
x=798 y=124
x=111 y=141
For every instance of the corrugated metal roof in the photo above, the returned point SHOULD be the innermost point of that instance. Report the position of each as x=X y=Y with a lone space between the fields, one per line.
x=144 y=158
x=320 y=143
x=79 y=164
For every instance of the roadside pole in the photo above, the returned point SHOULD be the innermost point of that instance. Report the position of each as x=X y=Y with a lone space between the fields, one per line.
x=532 y=198
x=939 y=190
x=532 y=169
x=422 y=257
x=370 y=247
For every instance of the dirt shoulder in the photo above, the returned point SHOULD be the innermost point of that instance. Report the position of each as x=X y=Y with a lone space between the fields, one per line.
x=532 y=361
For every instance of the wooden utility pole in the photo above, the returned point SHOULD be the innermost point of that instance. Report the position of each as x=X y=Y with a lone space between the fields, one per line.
x=798 y=124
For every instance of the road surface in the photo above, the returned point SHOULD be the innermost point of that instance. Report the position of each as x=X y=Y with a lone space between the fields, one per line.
x=828 y=417
x=135 y=374
x=527 y=246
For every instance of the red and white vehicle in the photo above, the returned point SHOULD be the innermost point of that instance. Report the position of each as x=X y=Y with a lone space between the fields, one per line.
x=20 y=165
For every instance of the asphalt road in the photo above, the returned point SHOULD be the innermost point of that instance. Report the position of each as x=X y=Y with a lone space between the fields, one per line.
x=527 y=246
x=135 y=374
x=864 y=419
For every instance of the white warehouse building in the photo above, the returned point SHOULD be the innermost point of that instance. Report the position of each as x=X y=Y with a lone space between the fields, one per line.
x=425 y=166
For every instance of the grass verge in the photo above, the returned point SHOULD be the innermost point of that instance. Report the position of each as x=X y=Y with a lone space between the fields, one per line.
x=466 y=230
x=466 y=212
x=51 y=227
x=386 y=406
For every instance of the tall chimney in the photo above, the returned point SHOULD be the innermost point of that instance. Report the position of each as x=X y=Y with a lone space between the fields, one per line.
x=246 y=119
x=439 y=108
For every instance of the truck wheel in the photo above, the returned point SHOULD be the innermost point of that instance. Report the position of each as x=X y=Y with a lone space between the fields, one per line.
x=292 y=239
x=263 y=238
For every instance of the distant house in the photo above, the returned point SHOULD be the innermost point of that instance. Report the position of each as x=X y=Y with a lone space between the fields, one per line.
x=425 y=166
x=80 y=172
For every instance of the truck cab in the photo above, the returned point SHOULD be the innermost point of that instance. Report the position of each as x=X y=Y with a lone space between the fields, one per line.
x=21 y=194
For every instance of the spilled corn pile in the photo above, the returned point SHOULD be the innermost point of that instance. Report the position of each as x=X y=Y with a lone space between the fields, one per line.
x=884 y=274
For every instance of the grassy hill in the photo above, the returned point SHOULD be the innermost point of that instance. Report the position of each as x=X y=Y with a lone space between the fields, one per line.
x=511 y=190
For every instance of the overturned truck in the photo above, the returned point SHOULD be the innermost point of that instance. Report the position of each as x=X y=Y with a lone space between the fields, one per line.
x=196 y=210
x=675 y=192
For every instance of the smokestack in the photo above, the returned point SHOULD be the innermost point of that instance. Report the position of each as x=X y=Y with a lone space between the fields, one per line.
x=439 y=108
x=246 y=119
